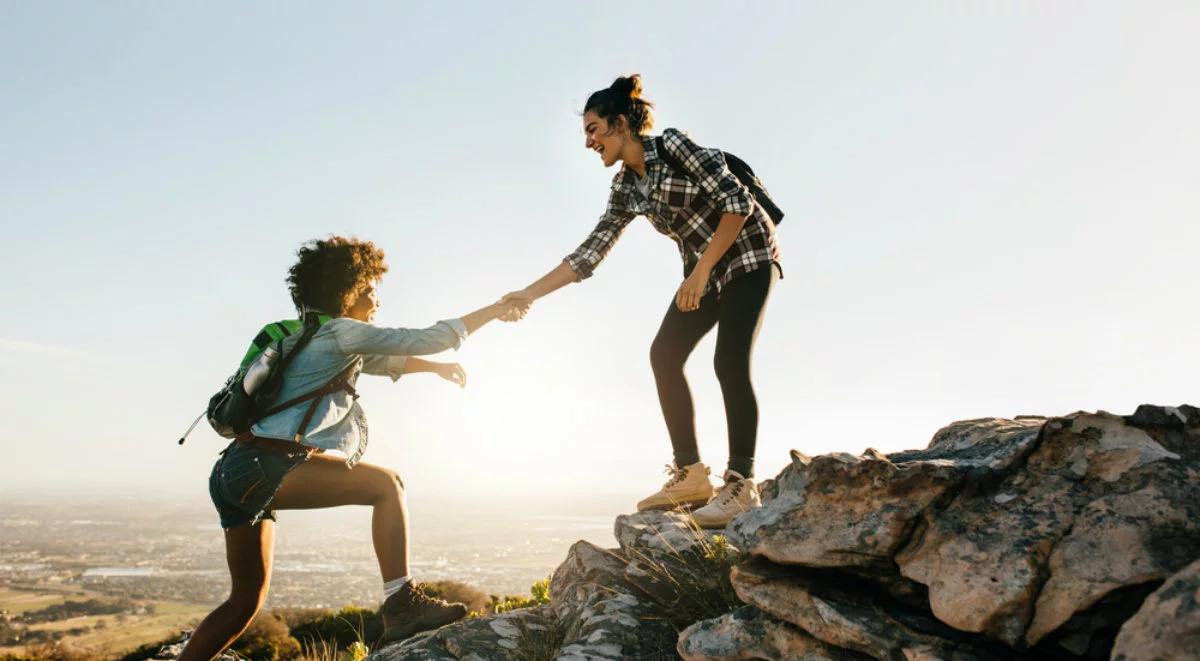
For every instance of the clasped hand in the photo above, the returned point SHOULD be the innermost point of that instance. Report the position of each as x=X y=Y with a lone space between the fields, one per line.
x=518 y=303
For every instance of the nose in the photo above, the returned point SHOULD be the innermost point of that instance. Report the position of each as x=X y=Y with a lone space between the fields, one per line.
x=587 y=142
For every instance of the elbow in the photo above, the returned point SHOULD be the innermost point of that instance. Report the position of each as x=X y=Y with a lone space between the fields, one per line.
x=580 y=267
x=738 y=203
x=734 y=220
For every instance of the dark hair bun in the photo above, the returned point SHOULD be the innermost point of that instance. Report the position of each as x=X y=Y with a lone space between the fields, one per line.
x=629 y=87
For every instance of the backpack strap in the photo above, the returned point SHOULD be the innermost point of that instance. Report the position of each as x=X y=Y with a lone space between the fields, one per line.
x=339 y=382
x=311 y=325
x=667 y=157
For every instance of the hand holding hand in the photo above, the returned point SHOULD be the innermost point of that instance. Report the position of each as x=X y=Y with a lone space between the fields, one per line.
x=518 y=303
x=452 y=372
x=687 y=298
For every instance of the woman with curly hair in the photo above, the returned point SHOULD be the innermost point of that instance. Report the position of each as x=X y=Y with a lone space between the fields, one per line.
x=280 y=464
x=730 y=260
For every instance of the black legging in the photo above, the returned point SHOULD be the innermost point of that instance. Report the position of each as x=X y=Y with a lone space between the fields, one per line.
x=739 y=312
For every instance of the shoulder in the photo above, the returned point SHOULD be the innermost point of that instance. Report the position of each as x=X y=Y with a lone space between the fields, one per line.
x=341 y=326
x=679 y=144
x=622 y=182
x=675 y=138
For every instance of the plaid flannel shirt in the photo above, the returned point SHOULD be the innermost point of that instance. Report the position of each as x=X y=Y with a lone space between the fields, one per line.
x=686 y=207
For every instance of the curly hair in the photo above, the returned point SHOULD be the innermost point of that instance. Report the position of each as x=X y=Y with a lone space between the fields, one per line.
x=332 y=272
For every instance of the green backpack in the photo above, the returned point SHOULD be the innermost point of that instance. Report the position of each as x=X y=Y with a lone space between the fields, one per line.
x=249 y=394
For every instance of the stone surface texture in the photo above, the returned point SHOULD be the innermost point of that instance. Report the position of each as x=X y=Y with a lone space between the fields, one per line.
x=1168 y=624
x=748 y=633
x=1029 y=538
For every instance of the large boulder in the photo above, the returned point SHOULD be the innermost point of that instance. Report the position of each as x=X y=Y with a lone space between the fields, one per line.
x=856 y=512
x=1101 y=503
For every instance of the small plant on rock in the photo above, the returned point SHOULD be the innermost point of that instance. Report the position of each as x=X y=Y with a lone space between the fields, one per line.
x=684 y=586
x=539 y=593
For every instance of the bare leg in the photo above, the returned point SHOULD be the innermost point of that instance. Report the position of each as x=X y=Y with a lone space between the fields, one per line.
x=248 y=551
x=325 y=481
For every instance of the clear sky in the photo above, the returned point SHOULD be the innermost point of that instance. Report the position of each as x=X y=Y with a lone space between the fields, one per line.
x=992 y=211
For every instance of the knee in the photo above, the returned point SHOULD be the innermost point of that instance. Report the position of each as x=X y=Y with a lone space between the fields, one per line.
x=731 y=369
x=388 y=485
x=664 y=358
x=245 y=604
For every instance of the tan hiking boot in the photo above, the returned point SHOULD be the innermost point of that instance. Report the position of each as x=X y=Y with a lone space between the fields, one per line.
x=688 y=487
x=411 y=611
x=738 y=495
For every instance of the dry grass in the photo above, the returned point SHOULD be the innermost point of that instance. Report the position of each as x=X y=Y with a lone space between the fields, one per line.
x=540 y=643
x=685 y=586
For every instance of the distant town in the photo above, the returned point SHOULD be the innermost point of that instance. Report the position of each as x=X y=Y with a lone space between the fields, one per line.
x=69 y=569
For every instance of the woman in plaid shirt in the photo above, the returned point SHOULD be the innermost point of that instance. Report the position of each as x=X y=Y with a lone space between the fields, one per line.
x=730 y=263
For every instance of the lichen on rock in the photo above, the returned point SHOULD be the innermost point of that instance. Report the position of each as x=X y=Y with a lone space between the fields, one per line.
x=1003 y=539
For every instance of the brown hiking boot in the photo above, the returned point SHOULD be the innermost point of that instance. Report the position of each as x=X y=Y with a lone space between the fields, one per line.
x=687 y=487
x=412 y=611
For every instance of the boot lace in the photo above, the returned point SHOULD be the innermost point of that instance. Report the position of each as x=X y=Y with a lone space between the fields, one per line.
x=421 y=596
x=677 y=475
x=729 y=491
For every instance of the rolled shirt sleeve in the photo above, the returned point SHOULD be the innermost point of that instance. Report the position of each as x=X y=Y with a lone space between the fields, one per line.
x=595 y=247
x=369 y=340
x=389 y=366
x=711 y=173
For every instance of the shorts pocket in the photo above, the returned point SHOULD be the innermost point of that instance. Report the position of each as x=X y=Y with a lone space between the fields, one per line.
x=241 y=478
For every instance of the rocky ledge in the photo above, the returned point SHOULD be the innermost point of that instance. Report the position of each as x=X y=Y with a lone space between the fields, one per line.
x=1032 y=538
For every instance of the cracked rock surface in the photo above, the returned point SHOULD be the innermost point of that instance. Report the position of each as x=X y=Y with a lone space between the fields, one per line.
x=1029 y=538
x=1168 y=624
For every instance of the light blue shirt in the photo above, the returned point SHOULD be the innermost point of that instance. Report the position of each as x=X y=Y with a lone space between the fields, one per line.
x=339 y=422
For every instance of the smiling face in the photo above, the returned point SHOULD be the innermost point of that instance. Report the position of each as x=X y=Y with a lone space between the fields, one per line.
x=604 y=138
x=365 y=305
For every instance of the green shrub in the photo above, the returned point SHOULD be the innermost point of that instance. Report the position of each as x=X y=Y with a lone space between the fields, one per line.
x=539 y=593
x=267 y=639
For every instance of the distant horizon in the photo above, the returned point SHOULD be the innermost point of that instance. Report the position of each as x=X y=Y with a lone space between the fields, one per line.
x=588 y=504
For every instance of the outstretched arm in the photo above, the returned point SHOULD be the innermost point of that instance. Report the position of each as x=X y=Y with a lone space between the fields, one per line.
x=580 y=263
x=558 y=277
x=397 y=366
x=362 y=338
x=452 y=372
x=480 y=318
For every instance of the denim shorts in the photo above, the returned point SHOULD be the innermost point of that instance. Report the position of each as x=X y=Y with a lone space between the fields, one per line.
x=244 y=481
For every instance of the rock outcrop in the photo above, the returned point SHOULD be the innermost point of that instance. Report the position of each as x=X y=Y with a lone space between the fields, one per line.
x=1050 y=538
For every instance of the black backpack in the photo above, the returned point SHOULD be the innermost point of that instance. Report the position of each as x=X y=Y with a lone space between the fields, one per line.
x=740 y=169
